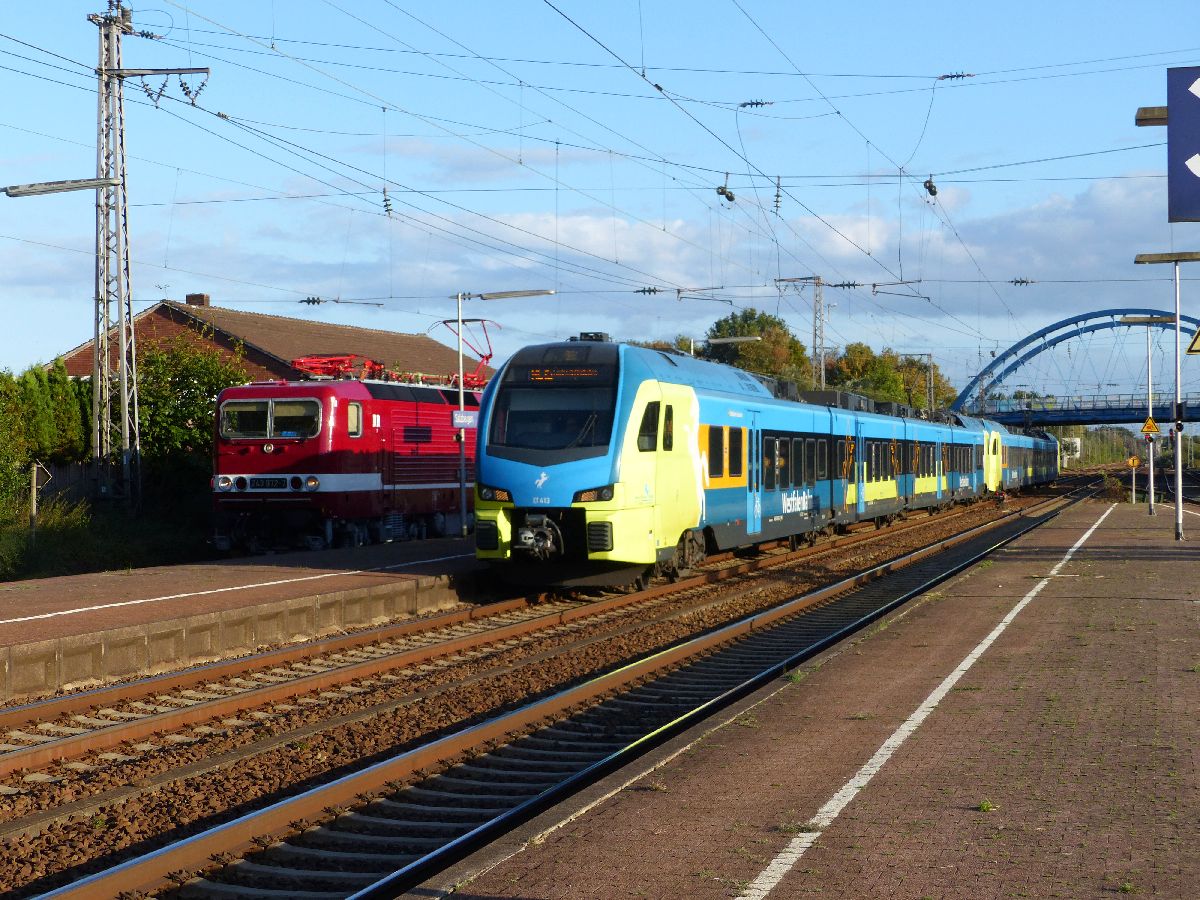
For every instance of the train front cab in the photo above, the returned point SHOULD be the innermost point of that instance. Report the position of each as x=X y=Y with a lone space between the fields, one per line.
x=587 y=464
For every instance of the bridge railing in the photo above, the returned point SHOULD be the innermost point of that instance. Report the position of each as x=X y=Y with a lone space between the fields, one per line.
x=1080 y=402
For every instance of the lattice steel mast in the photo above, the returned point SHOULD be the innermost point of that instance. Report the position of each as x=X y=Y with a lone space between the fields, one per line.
x=114 y=302
x=114 y=299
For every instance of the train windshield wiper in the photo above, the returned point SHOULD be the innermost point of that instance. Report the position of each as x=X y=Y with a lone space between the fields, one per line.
x=589 y=425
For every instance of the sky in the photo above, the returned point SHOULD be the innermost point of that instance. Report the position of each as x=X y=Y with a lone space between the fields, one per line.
x=385 y=155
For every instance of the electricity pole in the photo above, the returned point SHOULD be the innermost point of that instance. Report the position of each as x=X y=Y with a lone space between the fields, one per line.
x=818 y=329
x=114 y=298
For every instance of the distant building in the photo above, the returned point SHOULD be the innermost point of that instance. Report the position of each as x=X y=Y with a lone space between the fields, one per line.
x=270 y=343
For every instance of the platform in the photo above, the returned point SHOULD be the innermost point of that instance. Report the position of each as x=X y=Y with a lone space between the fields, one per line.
x=1028 y=730
x=58 y=632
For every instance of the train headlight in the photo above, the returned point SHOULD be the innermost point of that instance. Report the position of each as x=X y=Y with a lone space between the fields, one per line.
x=592 y=495
x=225 y=483
x=297 y=482
x=493 y=494
x=240 y=482
x=311 y=483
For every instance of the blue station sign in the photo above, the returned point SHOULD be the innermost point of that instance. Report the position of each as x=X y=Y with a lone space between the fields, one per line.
x=1183 y=144
x=464 y=418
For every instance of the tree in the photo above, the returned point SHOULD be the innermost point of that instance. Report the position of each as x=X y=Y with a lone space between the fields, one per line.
x=14 y=445
x=178 y=383
x=779 y=354
x=860 y=370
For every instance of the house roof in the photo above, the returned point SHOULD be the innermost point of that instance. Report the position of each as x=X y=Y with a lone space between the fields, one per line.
x=286 y=339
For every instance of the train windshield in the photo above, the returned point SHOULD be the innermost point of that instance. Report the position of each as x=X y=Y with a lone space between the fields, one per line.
x=561 y=401
x=274 y=419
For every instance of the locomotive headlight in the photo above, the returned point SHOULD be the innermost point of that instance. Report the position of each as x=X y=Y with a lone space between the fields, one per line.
x=591 y=495
x=225 y=483
x=489 y=494
x=311 y=483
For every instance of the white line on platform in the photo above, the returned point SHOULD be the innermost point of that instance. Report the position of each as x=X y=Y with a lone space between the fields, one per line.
x=1190 y=513
x=790 y=855
x=238 y=587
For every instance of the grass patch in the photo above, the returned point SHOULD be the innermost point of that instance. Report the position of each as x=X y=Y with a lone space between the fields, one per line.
x=1127 y=888
x=797 y=676
x=796 y=828
x=746 y=720
x=861 y=717
x=986 y=805
x=80 y=536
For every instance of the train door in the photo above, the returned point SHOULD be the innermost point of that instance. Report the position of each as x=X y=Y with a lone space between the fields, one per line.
x=754 y=477
x=859 y=470
x=939 y=468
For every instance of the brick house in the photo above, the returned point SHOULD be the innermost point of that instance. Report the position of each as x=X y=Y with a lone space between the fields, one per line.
x=270 y=343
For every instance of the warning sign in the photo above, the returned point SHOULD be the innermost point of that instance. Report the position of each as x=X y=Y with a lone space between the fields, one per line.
x=1194 y=346
x=1150 y=427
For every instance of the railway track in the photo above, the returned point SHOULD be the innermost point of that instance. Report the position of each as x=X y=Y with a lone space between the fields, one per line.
x=403 y=813
x=113 y=725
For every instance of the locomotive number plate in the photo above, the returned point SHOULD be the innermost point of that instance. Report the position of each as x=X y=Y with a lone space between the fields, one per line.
x=269 y=483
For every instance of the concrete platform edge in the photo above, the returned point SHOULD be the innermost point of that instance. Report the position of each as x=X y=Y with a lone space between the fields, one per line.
x=43 y=667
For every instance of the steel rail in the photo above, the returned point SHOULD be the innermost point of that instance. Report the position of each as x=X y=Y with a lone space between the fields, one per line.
x=244 y=834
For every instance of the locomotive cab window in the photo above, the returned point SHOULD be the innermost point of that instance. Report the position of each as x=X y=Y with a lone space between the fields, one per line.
x=647 y=440
x=270 y=419
x=669 y=428
x=295 y=418
x=354 y=420
x=245 y=418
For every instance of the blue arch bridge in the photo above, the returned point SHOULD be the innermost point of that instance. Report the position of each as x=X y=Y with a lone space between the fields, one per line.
x=983 y=396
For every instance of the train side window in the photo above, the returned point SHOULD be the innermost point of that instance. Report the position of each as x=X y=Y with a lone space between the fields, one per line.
x=841 y=459
x=648 y=432
x=669 y=429
x=768 y=463
x=798 y=461
x=810 y=461
x=354 y=420
x=716 y=451
x=735 y=452
x=822 y=459
x=783 y=455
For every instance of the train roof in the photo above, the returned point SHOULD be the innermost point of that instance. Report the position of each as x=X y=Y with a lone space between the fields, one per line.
x=699 y=373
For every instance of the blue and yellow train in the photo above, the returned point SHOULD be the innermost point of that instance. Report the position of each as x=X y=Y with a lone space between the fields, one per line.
x=599 y=463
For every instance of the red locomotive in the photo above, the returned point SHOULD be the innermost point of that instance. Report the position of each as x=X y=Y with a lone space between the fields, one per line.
x=338 y=460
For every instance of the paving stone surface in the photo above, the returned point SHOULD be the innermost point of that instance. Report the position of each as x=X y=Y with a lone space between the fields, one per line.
x=1062 y=764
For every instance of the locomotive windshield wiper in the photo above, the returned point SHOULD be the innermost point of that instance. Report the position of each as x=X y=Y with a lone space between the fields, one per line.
x=589 y=424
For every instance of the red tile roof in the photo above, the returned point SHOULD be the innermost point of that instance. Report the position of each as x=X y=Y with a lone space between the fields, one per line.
x=272 y=342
